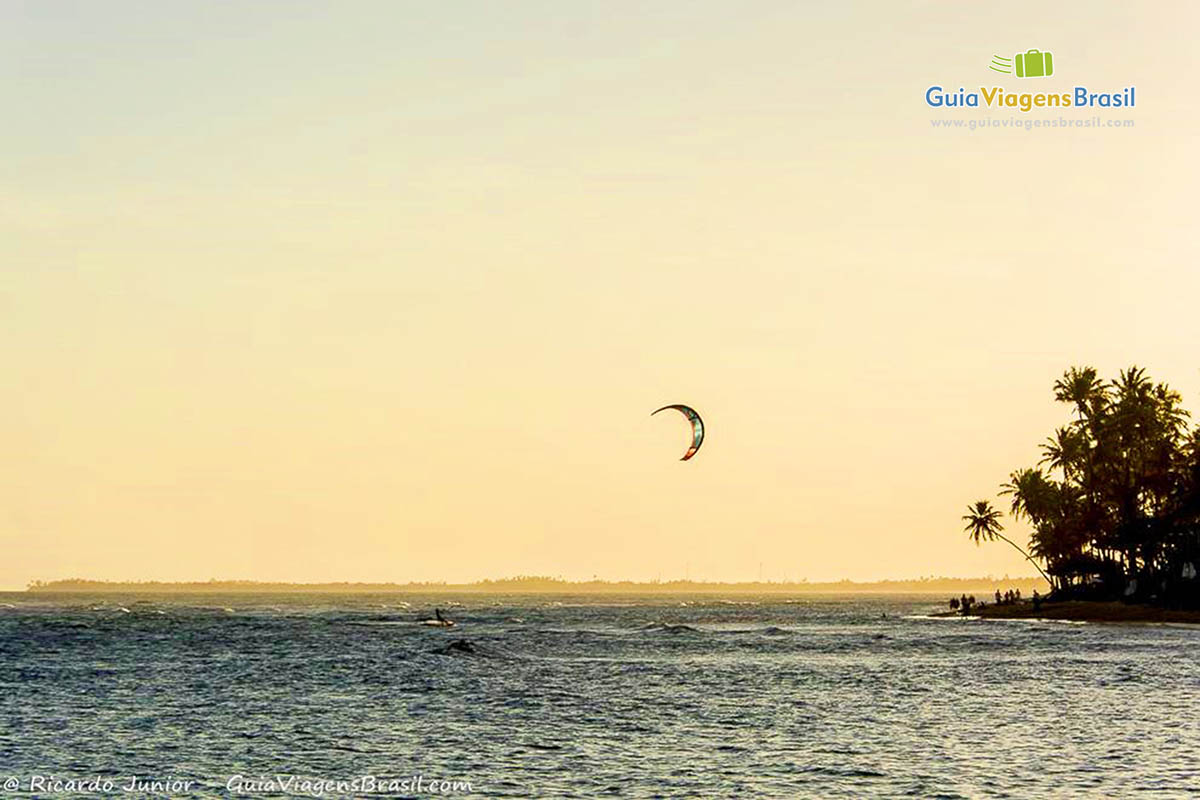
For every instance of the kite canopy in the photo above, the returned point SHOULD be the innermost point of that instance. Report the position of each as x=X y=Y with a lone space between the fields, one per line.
x=697 y=427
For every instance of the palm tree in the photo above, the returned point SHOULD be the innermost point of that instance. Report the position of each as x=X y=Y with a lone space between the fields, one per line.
x=1082 y=387
x=1033 y=495
x=983 y=524
x=1065 y=450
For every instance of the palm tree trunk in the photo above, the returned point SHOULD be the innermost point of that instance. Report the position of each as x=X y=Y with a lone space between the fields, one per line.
x=1028 y=558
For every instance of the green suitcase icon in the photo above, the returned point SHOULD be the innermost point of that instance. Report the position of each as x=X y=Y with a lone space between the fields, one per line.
x=1035 y=64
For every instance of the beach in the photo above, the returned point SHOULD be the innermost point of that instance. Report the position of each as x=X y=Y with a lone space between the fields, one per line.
x=1088 y=611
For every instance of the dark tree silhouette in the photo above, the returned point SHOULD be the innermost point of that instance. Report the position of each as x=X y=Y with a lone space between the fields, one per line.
x=1114 y=502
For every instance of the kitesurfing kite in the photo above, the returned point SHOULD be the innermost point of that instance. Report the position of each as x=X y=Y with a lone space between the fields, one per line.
x=697 y=427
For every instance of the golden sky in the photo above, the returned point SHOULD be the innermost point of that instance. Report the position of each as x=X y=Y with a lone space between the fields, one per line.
x=387 y=291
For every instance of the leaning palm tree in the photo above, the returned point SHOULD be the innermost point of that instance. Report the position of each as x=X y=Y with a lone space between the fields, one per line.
x=983 y=525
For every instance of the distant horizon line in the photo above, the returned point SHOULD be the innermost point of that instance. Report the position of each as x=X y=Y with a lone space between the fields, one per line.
x=539 y=583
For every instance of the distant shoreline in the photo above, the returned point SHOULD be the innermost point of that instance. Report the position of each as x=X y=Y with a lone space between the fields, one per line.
x=932 y=586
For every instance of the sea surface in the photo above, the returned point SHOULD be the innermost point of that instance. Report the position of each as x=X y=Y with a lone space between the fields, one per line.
x=548 y=697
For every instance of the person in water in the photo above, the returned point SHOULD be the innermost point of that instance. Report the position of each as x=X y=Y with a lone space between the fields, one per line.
x=437 y=612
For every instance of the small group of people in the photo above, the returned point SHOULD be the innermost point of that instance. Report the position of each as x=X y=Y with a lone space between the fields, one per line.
x=1008 y=598
x=965 y=603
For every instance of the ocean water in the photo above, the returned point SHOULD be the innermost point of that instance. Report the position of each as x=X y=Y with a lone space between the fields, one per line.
x=351 y=696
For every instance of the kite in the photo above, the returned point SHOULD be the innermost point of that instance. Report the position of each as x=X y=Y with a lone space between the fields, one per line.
x=697 y=427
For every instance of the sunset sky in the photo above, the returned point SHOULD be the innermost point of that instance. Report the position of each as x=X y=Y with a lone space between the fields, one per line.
x=387 y=291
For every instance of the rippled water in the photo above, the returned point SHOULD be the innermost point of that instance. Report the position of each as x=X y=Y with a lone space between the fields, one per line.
x=587 y=697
